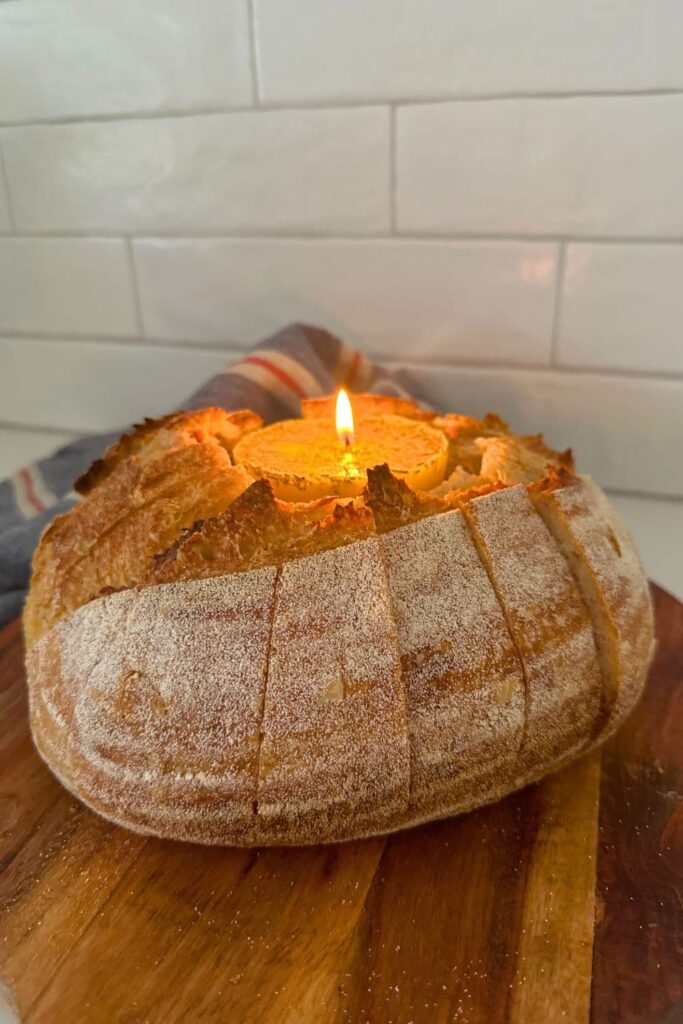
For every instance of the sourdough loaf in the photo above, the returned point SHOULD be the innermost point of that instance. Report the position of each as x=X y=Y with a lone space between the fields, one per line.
x=206 y=662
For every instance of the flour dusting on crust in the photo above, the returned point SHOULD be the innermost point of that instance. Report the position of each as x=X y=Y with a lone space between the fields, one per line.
x=463 y=679
x=335 y=745
x=547 y=618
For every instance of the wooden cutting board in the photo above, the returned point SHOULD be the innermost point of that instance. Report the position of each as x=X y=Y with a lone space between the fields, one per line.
x=563 y=903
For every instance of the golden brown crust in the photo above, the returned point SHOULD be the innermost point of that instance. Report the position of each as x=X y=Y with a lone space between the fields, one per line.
x=154 y=436
x=138 y=508
x=520 y=460
x=462 y=433
x=257 y=530
x=395 y=504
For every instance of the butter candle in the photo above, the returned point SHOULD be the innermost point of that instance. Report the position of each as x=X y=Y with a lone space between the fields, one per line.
x=307 y=459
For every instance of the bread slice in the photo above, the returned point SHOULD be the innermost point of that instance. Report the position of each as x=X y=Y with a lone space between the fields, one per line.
x=334 y=755
x=179 y=429
x=519 y=459
x=548 y=621
x=462 y=433
x=462 y=675
x=149 y=704
x=139 y=507
x=607 y=569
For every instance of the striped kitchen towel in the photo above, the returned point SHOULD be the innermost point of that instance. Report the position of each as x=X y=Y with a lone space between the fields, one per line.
x=272 y=379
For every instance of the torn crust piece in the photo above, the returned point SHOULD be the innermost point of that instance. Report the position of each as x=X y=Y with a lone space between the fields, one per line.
x=148 y=705
x=462 y=433
x=364 y=407
x=137 y=505
x=606 y=566
x=334 y=756
x=462 y=675
x=177 y=430
x=548 y=621
x=395 y=504
x=519 y=459
x=257 y=530
x=459 y=480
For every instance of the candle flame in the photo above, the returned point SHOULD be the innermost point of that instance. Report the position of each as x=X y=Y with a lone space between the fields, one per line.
x=344 y=418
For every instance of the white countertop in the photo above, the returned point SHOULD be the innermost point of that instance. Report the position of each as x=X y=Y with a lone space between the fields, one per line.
x=656 y=523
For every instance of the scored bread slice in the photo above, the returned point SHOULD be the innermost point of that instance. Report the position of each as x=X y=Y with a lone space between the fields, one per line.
x=463 y=679
x=177 y=430
x=108 y=539
x=606 y=566
x=148 y=704
x=176 y=473
x=548 y=621
x=334 y=757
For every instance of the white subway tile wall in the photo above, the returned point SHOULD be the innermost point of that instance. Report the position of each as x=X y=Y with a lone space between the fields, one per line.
x=84 y=58
x=622 y=306
x=611 y=165
x=5 y=215
x=426 y=49
x=490 y=193
x=77 y=386
x=426 y=300
x=304 y=171
x=82 y=286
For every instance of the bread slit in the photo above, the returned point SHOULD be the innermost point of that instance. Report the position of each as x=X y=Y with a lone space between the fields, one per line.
x=548 y=622
x=601 y=555
x=462 y=676
x=406 y=707
x=264 y=693
x=483 y=553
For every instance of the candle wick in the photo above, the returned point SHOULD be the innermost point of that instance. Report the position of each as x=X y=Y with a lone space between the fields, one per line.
x=347 y=441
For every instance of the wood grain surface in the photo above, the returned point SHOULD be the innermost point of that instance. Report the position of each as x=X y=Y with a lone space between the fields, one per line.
x=563 y=903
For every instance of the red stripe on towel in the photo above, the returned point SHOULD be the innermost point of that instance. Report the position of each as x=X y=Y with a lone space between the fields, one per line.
x=281 y=375
x=26 y=480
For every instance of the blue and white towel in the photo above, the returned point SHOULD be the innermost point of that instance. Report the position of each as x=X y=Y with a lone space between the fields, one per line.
x=298 y=362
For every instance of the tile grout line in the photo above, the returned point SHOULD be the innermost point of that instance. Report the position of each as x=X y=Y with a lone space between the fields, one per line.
x=557 y=310
x=232 y=349
x=207 y=346
x=253 y=55
x=495 y=365
x=4 y=177
x=36 y=428
x=400 y=237
x=135 y=286
x=329 y=103
x=393 y=171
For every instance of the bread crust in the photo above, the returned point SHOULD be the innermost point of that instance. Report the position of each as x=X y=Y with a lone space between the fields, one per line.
x=152 y=436
x=153 y=483
x=173 y=709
